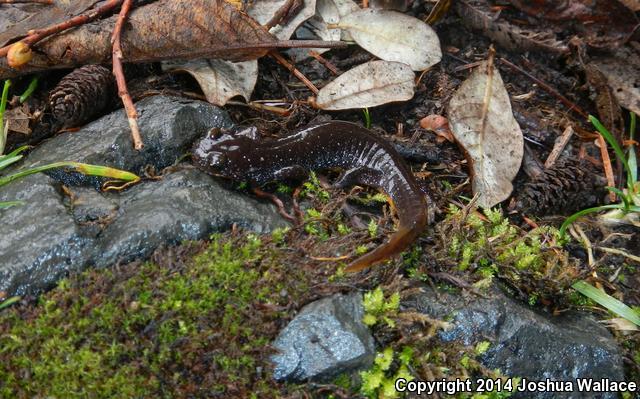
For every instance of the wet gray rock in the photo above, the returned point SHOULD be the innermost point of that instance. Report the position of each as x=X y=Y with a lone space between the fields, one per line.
x=52 y=234
x=326 y=338
x=525 y=343
x=168 y=126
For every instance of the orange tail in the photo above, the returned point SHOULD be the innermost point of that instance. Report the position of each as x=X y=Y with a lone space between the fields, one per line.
x=400 y=240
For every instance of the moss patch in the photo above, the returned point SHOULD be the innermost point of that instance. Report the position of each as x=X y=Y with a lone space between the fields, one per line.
x=195 y=329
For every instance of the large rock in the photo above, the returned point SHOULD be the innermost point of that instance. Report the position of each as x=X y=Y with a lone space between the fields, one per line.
x=525 y=343
x=326 y=338
x=51 y=235
x=168 y=126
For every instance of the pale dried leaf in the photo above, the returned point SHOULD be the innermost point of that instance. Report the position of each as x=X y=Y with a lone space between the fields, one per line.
x=368 y=85
x=326 y=13
x=621 y=324
x=622 y=70
x=345 y=7
x=394 y=36
x=220 y=80
x=488 y=132
x=633 y=5
x=264 y=10
x=316 y=28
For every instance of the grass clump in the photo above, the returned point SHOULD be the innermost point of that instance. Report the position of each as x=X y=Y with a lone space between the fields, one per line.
x=188 y=329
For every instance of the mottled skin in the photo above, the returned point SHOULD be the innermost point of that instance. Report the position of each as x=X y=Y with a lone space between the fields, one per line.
x=365 y=159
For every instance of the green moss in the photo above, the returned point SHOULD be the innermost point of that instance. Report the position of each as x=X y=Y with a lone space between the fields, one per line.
x=377 y=308
x=152 y=332
x=488 y=245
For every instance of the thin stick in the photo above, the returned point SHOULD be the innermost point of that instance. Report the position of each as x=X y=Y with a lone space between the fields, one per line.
x=619 y=252
x=559 y=146
x=132 y=115
x=572 y=106
x=327 y=64
x=606 y=164
x=36 y=35
x=294 y=71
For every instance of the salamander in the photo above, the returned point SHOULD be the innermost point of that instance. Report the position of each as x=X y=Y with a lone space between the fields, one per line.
x=364 y=158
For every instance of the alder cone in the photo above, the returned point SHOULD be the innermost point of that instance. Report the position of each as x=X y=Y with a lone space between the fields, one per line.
x=81 y=95
x=565 y=188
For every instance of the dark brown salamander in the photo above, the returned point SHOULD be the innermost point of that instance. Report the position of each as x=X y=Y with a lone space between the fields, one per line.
x=365 y=159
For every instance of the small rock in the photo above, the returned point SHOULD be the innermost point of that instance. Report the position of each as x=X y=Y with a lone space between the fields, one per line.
x=326 y=338
x=525 y=343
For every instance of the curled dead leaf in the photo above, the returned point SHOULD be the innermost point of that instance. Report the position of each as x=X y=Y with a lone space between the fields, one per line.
x=263 y=12
x=368 y=85
x=439 y=125
x=393 y=36
x=482 y=122
x=220 y=80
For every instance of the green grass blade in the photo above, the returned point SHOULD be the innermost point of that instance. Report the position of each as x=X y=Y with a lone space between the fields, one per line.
x=8 y=161
x=606 y=300
x=3 y=107
x=575 y=216
x=620 y=195
x=613 y=143
x=9 y=204
x=32 y=87
x=93 y=170
x=14 y=153
x=9 y=301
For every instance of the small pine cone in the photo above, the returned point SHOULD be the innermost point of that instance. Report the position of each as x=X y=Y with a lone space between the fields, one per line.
x=567 y=187
x=81 y=95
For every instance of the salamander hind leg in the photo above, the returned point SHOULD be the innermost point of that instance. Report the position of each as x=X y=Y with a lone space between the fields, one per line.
x=357 y=176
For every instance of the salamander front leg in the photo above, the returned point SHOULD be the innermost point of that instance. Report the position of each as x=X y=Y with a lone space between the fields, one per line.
x=278 y=203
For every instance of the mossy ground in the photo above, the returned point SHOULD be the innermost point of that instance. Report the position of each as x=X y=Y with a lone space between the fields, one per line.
x=196 y=320
x=197 y=328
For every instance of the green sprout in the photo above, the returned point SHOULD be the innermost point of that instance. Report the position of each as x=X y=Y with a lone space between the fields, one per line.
x=3 y=107
x=367 y=117
x=630 y=197
x=86 y=169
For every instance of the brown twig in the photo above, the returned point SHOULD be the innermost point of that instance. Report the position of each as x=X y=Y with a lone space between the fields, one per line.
x=35 y=36
x=559 y=146
x=26 y=1
x=327 y=64
x=130 y=109
x=606 y=164
x=572 y=106
x=285 y=63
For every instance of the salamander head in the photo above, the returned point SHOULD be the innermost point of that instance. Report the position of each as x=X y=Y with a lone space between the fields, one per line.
x=218 y=152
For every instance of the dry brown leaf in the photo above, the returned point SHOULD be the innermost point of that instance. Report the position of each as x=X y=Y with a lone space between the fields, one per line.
x=37 y=17
x=622 y=70
x=633 y=5
x=439 y=125
x=507 y=35
x=164 y=29
x=393 y=36
x=220 y=80
x=482 y=122
x=368 y=85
